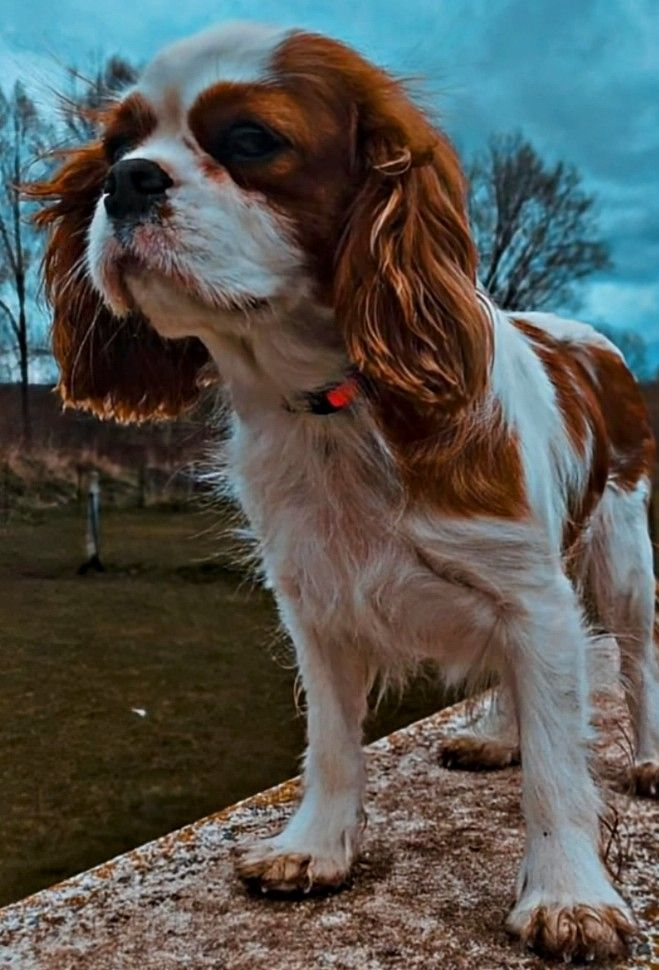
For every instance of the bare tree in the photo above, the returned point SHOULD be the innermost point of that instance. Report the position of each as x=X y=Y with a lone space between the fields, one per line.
x=23 y=137
x=534 y=226
x=81 y=111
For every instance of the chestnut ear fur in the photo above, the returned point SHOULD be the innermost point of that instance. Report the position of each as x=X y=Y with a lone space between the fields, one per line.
x=406 y=269
x=118 y=368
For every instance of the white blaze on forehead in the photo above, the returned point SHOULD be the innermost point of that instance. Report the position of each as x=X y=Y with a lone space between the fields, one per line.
x=237 y=52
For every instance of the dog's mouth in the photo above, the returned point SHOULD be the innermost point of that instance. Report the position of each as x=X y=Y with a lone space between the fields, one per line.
x=128 y=276
x=109 y=276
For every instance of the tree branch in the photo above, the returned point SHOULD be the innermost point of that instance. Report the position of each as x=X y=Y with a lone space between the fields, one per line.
x=12 y=319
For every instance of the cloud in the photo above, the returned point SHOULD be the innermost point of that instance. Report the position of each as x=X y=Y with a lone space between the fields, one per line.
x=579 y=79
x=624 y=305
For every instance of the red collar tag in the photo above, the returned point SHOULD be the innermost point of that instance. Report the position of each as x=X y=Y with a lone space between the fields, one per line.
x=328 y=400
x=344 y=394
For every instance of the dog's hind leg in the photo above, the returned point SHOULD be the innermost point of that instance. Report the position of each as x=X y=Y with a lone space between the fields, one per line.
x=490 y=740
x=620 y=580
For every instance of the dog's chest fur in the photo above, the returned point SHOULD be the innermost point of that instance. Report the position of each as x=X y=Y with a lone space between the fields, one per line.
x=335 y=538
x=323 y=500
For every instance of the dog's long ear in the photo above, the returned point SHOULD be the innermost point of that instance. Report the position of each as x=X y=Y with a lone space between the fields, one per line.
x=114 y=367
x=406 y=267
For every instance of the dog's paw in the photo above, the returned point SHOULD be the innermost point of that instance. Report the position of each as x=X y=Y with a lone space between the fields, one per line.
x=578 y=932
x=269 y=866
x=469 y=752
x=645 y=779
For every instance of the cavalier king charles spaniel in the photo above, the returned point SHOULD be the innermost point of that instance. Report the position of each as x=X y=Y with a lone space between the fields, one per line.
x=428 y=477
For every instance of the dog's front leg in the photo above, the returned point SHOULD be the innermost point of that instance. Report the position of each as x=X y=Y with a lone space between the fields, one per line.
x=566 y=904
x=316 y=848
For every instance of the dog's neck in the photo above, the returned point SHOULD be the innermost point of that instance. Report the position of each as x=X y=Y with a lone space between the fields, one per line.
x=277 y=354
x=274 y=355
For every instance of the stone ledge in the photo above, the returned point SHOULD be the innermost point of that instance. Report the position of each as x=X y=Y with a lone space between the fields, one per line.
x=432 y=889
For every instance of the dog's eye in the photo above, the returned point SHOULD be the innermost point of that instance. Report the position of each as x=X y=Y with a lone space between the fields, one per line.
x=248 y=142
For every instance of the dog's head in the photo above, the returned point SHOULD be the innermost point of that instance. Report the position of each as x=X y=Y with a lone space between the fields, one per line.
x=248 y=168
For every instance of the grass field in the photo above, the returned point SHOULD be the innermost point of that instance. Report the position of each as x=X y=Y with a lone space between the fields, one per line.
x=164 y=631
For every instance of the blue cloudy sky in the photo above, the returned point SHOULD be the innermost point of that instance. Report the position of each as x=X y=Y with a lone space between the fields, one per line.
x=579 y=77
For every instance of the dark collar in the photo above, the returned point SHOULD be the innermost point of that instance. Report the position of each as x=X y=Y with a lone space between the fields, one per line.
x=328 y=399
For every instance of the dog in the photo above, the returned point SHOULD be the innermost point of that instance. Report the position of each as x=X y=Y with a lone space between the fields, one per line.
x=427 y=476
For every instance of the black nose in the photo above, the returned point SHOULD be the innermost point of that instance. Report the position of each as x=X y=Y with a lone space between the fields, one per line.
x=133 y=187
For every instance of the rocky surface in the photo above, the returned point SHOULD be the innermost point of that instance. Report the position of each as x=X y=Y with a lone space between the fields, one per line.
x=431 y=890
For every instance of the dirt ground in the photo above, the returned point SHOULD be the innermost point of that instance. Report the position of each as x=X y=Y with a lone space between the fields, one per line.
x=138 y=700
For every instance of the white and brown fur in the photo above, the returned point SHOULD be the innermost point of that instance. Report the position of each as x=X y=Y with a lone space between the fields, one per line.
x=460 y=510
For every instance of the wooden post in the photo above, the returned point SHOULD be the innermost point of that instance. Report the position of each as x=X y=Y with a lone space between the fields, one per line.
x=93 y=560
x=652 y=509
x=5 y=503
x=141 y=486
x=79 y=474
